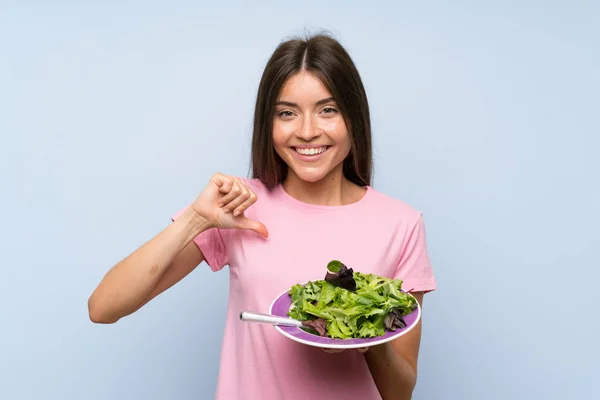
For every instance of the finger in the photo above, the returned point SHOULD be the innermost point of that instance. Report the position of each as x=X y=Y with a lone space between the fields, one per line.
x=333 y=351
x=247 y=203
x=253 y=225
x=363 y=349
x=223 y=182
x=235 y=191
x=241 y=198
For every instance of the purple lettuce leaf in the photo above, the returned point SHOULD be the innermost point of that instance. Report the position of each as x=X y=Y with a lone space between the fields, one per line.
x=394 y=320
x=319 y=325
x=340 y=275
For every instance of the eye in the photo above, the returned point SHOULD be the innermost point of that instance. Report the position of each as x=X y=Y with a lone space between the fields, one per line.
x=285 y=114
x=329 y=110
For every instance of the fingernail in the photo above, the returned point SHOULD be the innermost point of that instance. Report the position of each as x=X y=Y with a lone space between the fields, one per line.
x=220 y=204
x=236 y=213
x=226 y=210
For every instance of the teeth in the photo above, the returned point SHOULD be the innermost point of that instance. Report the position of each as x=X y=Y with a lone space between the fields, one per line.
x=310 y=152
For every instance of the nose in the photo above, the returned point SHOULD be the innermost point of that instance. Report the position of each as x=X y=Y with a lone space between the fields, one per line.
x=309 y=129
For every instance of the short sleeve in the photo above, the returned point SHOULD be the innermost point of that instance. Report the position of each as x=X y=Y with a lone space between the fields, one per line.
x=212 y=244
x=414 y=267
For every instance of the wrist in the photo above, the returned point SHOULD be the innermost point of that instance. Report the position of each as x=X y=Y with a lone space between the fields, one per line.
x=379 y=351
x=194 y=223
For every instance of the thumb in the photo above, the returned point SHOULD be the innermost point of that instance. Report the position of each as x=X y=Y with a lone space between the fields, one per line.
x=253 y=225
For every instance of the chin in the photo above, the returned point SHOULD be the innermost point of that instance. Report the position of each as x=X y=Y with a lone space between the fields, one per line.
x=310 y=176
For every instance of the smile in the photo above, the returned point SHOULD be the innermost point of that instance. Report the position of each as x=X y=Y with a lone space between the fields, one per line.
x=311 y=151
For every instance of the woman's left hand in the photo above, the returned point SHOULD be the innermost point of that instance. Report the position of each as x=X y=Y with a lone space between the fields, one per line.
x=333 y=351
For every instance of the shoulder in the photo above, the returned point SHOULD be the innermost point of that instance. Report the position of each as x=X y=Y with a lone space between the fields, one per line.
x=265 y=197
x=256 y=186
x=393 y=208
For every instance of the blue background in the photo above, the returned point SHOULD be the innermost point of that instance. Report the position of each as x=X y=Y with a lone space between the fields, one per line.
x=485 y=115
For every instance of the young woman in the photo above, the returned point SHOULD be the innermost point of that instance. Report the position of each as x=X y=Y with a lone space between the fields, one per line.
x=309 y=201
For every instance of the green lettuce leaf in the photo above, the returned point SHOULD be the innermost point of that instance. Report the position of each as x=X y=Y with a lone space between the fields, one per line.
x=367 y=307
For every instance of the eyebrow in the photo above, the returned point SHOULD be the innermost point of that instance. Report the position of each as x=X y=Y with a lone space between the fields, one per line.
x=291 y=104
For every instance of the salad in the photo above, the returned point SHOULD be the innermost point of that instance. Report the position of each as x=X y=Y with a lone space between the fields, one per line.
x=348 y=304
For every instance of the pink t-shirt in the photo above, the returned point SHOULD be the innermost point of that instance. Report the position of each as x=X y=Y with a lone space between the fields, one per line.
x=378 y=235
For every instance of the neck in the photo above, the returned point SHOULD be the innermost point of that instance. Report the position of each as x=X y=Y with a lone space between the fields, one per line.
x=332 y=190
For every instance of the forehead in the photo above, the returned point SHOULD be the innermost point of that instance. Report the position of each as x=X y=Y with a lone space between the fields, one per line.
x=304 y=87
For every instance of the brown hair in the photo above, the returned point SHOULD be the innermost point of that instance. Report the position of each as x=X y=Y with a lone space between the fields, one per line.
x=326 y=58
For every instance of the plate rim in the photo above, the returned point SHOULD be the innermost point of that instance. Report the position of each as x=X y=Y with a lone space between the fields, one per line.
x=346 y=346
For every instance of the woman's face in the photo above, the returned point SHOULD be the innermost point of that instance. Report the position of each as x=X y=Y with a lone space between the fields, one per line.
x=309 y=133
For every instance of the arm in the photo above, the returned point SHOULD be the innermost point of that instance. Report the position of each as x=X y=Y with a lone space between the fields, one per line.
x=148 y=271
x=172 y=254
x=393 y=365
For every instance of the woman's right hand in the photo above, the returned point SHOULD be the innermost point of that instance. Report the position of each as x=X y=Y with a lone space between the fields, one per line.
x=169 y=256
x=223 y=202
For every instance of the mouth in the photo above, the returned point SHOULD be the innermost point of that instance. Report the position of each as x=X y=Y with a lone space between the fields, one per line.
x=311 y=151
